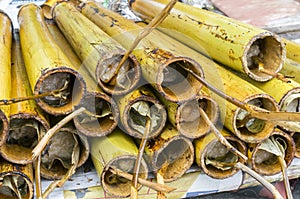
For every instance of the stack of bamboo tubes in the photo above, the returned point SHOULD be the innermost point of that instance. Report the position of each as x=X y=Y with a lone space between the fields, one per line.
x=201 y=89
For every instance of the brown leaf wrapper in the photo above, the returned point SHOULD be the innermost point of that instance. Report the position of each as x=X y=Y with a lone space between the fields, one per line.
x=48 y=68
x=208 y=147
x=266 y=163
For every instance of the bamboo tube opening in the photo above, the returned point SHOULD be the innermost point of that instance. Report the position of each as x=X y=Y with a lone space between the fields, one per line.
x=291 y=101
x=267 y=163
x=22 y=138
x=126 y=78
x=257 y=55
x=251 y=129
x=72 y=90
x=216 y=153
x=107 y=115
x=135 y=121
x=296 y=138
x=57 y=156
x=47 y=11
x=174 y=158
x=119 y=186
x=175 y=83
x=23 y=184
x=190 y=123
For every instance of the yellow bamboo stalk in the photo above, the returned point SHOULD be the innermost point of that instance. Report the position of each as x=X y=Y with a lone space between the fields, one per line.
x=291 y=69
x=48 y=68
x=116 y=151
x=94 y=100
x=266 y=163
x=208 y=148
x=98 y=52
x=226 y=40
x=27 y=120
x=56 y=158
x=216 y=75
x=47 y=8
x=287 y=94
x=186 y=116
x=170 y=153
x=138 y=105
x=161 y=60
x=5 y=74
x=292 y=50
x=16 y=181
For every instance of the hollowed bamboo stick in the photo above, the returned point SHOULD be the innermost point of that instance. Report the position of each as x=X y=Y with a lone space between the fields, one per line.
x=48 y=68
x=226 y=40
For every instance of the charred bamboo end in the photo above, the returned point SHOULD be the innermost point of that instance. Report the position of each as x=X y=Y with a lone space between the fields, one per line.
x=265 y=51
x=134 y=122
x=174 y=158
x=175 y=83
x=106 y=110
x=22 y=137
x=4 y=127
x=117 y=185
x=25 y=185
x=69 y=89
x=214 y=151
x=253 y=130
x=125 y=80
x=266 y=163
x=189 y=121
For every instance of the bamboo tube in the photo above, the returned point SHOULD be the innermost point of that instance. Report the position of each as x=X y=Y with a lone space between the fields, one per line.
x=98 y=52
x=138 y=105
x=170 y=153
x=266 y=163
x=116 y=151
x=94 y=100
x=208 y=149
x=225 y=40
x=216 y=75
x=16 y=181
x=292 y=70
x=186 y=116
x=5 y=73
x=287 y=94
x=161 y=60
x=57 y=156
x=27 y=121
x=47 y=7
x=292 y=50
x=47 y=67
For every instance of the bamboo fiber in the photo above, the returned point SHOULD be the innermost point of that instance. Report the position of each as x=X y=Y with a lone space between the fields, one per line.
x=216 y=75
x=208 y=148
x=170 y=153
x=266 y=163
x=98 y=52
x=16 y=181
x=57 y=157
x=27 y=120
x=186 y=116
x=116 y=151
x=161 y=60
x=226 y=40
x=5 y=73
x=138 y=105
x=94 y=100
x=47 y=66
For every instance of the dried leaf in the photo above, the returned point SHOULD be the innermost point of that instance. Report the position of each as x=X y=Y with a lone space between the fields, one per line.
x=16 y=184
x=273 y=145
